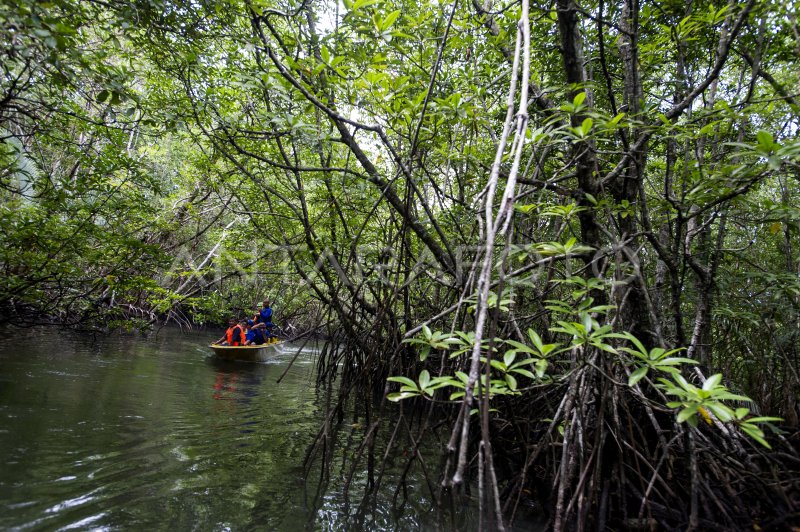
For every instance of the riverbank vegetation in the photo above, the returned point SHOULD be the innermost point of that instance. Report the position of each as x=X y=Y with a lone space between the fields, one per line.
x=562 y=237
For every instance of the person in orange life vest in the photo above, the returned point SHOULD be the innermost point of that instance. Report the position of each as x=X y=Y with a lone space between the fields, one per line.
x=234 y=335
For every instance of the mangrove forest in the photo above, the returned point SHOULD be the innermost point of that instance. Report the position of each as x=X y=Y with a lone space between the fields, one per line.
x=550 y=250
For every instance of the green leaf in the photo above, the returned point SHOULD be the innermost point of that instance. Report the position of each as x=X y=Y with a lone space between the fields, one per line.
x=637 y=375
x=536 y=340
x=722 y=412
x=616 y=119
x=519 y=347
x=635 y=341
x=686 y=413
x=712 y=381
x=400 y=396
x=635 y=353
x=764 y=419
x=721 y=394
x=496 y=364
x=389 y=20
x=64 y=29
x=587 y=322
x=764 y=139
x=579 y=98
x=524 y=372
x=424 y=379
x=586 y=126
x=755 y=433
x=541 y=367
x=673 y=361
x=707 y=129
x=403 y=380
x=364 y=3
x=424 y=352
x=512 y=382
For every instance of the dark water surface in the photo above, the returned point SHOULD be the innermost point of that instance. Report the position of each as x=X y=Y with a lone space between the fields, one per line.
x=123 y=432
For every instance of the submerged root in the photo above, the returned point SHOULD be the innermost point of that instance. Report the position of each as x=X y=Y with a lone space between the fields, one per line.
x=589 y=453
x=619 y=461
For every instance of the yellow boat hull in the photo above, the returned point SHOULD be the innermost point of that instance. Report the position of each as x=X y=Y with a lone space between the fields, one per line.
x=247 y=353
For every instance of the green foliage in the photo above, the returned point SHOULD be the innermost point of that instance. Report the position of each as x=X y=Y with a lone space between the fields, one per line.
x=557 y=249
x=695 y=403
x=656 y=359
x=425 y=386
x=502 y=302
x=432 y=340
x=509 y=365
x=532 y=364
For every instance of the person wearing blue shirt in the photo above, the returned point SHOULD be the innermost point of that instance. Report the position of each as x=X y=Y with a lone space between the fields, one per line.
x=265 y=314
x=255 y=334
x=264 y=317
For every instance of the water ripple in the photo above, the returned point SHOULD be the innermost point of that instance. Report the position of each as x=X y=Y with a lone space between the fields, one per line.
x=132 y=433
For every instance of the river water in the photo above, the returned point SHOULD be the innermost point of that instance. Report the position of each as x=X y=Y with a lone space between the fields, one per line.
x=122 y=432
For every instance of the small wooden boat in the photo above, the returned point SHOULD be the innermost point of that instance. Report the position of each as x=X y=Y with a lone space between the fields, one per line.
x=247 y=353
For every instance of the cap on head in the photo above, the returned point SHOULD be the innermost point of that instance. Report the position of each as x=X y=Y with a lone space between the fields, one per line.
x=266 y=302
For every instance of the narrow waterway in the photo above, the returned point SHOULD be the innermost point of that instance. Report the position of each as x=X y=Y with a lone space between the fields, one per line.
x=126 y=432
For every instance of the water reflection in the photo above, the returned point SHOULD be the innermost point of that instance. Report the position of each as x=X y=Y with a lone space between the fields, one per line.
x=133 y=433
x=225 y=385
x=235 y=381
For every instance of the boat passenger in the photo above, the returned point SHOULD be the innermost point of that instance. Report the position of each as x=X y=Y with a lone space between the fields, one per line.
x=256 y=334
x=234 y=335
x=264 y=315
